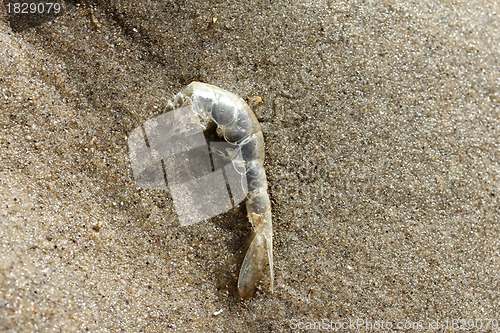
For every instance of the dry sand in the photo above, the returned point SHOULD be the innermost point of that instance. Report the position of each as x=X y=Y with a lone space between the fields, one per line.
x=382 y=127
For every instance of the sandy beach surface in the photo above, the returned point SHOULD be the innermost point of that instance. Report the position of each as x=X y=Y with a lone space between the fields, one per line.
x=382 y=128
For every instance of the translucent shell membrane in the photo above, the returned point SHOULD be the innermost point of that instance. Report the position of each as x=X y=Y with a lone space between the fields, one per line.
x=238 y=125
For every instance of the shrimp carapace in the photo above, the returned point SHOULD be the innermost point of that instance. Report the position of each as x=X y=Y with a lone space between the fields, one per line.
x=237 y=124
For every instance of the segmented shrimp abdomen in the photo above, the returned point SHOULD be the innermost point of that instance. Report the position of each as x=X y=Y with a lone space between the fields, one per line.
x=256 y=180
x=238 y=125
x=235 y=120
x=252 y=149
x=245 y=124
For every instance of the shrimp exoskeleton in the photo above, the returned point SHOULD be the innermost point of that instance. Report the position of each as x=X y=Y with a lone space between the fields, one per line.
x=237 y=124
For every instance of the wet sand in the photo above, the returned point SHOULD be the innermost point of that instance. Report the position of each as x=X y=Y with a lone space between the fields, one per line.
x=382 y=128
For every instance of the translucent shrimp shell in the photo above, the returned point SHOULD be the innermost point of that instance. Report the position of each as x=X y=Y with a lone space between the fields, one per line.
x=237 y=124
